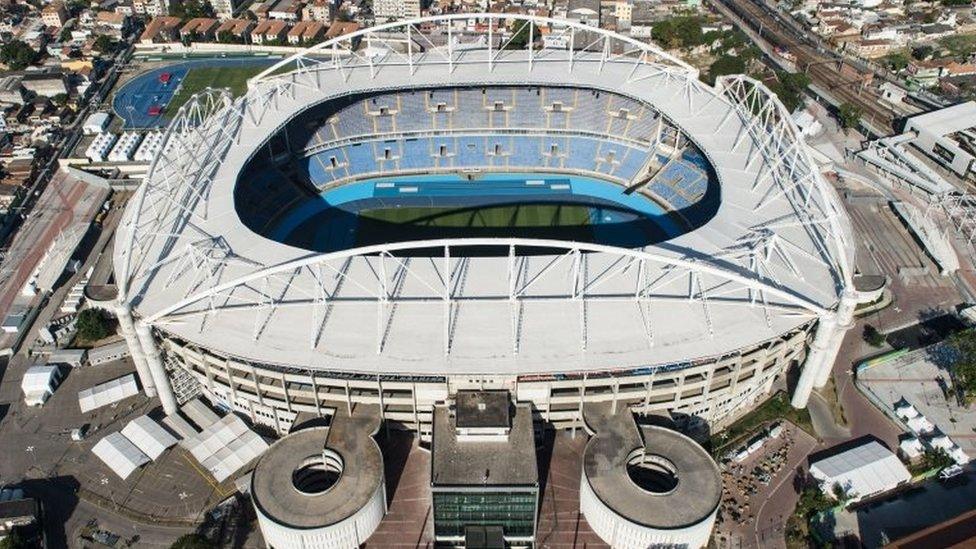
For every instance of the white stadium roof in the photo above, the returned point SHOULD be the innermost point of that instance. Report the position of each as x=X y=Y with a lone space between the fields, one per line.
x=148 y=436
x=107 y=393
x=862 y=471
x=225 y=447
x=120 y=454
x=774 y=257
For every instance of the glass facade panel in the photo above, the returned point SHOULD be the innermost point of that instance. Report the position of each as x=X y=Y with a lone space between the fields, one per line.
x=513 y=511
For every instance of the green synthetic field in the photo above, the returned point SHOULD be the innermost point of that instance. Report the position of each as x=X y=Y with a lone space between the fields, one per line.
x=488 y=217
x=565 y=221
x=200 y=78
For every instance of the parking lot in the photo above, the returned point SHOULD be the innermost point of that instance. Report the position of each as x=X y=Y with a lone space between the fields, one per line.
x=172 y=491
x=759 y=493
x=920 y=377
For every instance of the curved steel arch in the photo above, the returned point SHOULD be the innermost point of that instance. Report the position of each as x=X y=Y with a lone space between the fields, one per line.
x=188 y=118
x=689 y=265
x=531 y=20
x=772 y=113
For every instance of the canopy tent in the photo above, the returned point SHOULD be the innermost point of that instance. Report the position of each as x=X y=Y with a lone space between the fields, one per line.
x=107 y=393
x=225 y=447
x=148 y=436
x=199 y=413
x=911 y=447
x=120 y=454
x=861 y=471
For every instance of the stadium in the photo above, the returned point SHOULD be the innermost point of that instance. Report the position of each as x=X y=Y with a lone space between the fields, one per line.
x=393 y=215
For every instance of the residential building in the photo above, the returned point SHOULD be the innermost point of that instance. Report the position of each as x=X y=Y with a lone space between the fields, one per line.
x=390 y=10
x=319 y=10
x=269 y=30
x=306 y=33
x=54 y=15
x=340 y=28
x=161 y=29
x=152 y=8
x=234 y=30
x=286 y=10
x=224 y=9
x=200 y=29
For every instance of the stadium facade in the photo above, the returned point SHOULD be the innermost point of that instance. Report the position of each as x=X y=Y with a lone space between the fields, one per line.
x=699 y=323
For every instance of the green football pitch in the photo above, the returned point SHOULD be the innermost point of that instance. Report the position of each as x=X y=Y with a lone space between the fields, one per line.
x=197 y=79
x=484 y=217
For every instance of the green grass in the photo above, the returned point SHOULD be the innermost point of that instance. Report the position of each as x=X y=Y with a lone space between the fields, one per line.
x=490 y=217
x=777 y=407
x=200 y=78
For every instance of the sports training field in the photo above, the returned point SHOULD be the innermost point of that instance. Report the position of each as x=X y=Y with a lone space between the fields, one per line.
x=200 y=78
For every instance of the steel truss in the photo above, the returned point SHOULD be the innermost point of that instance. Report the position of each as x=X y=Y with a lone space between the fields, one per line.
x=173 y=203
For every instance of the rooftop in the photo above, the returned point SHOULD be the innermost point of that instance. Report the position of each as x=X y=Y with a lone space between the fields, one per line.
x=273 y=487
x=483 y=409
x=493 y=462
x=605 y=466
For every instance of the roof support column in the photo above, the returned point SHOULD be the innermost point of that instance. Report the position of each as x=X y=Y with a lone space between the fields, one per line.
x=845 y=321
x=817 y=355
x=128 y=329
x=156 y=368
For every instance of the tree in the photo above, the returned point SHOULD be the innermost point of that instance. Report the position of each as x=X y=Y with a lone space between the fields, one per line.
x=849 y=115
x=14 y=541
x=873 y=337
x=962 y=346
x=191 y=9
x=60 y=99
x=91 y=325
x=726 y=64
x=678 y=32
x=896 y=61
x=520 y=39
x=922 y=53
x=192 y=541
x=104 y=44
x=17 y=55
x=790 y=88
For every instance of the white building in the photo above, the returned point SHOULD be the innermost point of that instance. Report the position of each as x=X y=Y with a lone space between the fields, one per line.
x=39 y=384
x=863 y=471
x=149 y=147
x=96 y=123
x=99 y=148
x=388 y=10
x=125 y=147
x=939 y=134
x=224 y=9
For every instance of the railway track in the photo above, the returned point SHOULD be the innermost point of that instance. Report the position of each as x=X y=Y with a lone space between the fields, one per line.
x=823 y=68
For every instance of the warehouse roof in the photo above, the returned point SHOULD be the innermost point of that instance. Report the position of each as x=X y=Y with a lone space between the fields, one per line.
x=862 y=471
x=120 y=454
x=148 y=436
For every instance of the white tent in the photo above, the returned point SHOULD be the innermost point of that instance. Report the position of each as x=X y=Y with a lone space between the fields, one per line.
x=942 y=442
x=862 y=471
x=179 y=425
x=199 y=413
x=39 y=384
x=911 y=448
x=148 y=436
x=225 y=447
x=107 y=393
x=120 y=454
x=920 y=424
x=959 y=456
x=906 y=411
